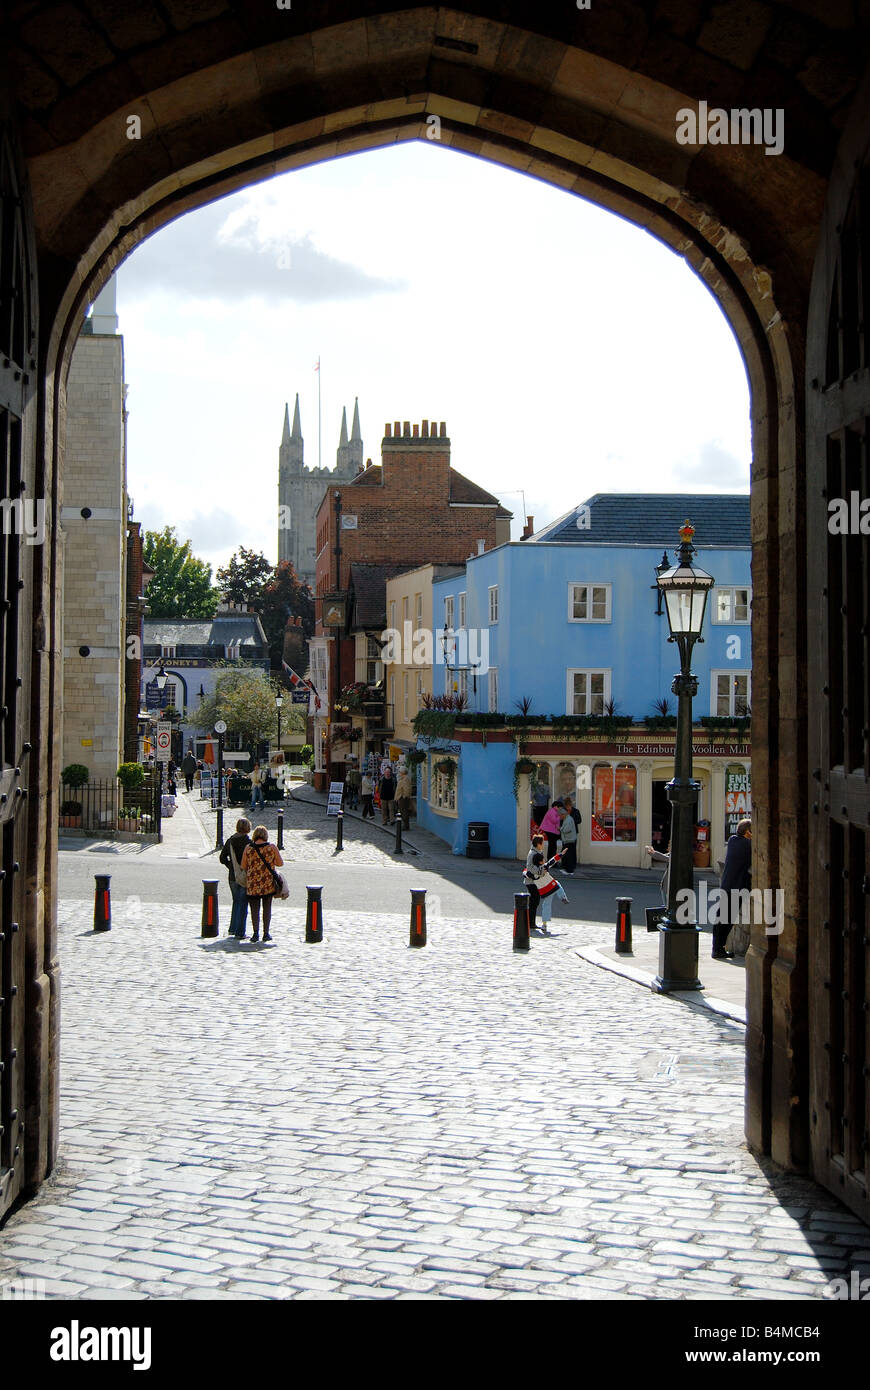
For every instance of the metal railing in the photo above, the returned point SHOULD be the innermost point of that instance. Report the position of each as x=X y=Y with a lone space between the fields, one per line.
x=96 y=808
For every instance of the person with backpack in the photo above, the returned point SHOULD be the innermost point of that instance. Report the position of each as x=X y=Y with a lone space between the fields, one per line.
x=231 y=857
x=259 y=862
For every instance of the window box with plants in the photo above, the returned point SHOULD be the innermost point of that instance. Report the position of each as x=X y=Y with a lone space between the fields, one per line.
x=74 y=775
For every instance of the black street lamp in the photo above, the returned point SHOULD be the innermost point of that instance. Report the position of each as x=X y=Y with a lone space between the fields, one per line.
x=279 y=700
x=161 y=686
x=685 y=589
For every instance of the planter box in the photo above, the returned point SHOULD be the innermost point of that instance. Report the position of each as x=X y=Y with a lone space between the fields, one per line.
x=70 y=822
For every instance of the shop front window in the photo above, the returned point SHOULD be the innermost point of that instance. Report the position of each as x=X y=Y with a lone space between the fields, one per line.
x=566 y=779
x=614 y=803
x=738 y=797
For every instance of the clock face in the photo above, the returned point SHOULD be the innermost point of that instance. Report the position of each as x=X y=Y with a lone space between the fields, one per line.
x=221 y=726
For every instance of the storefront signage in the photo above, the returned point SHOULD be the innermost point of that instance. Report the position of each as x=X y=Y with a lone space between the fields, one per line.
x=701 y=750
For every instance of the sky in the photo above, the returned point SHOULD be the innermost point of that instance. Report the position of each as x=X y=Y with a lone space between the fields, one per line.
x=568 y=351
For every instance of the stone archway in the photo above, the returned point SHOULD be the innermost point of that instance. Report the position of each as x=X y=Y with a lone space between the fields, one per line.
x=148 y=119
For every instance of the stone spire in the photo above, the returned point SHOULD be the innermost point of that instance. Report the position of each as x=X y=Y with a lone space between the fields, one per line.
x=285 y=437
x=343 y=440
x=355 y=435
x=297 y=428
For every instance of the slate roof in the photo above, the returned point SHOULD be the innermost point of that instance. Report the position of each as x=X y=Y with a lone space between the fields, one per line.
x=654 y=518
x=219 y=631
x=368 y=584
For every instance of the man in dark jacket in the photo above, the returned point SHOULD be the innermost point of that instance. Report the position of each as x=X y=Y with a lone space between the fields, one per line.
x=387 y=790
x=737 y=873
x=235 y=847
x=188 y=767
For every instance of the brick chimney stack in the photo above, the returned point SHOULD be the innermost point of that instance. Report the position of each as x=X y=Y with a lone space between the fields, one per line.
x=528 y=529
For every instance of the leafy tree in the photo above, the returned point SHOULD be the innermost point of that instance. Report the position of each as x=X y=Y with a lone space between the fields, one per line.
x=285 y=595
x=181 y=587
x=246 y=700
x=242 y=580
x=275 y=592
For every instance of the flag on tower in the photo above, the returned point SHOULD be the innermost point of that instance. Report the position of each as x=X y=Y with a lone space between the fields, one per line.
x=317 y=365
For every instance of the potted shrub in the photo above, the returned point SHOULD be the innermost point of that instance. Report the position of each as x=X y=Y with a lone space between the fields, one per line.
x=128 y=818
x=131 y=776
x=71 y=813
x=74 y=775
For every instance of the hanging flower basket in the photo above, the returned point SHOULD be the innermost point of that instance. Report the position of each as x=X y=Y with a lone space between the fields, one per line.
x=447 y=768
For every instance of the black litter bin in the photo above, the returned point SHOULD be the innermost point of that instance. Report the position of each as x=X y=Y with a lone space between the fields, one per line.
x=478 y=840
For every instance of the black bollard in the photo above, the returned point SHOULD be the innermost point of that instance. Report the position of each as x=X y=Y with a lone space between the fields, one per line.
x=418 y=917
x=314 y=915
x=280 y=838
x=339 y=831
x=521 y=922
x=210 y=907
x=623 y=927
x=219 y=829
x=398 y=849
x=102 y=903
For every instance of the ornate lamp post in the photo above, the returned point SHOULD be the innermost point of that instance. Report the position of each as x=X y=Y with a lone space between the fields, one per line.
x=685 y=589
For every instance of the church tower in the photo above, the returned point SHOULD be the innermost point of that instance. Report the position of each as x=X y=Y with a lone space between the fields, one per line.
x=301 y=489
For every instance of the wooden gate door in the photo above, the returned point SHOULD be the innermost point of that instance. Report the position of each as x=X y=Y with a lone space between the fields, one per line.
x=19 y=513
x=838 y=597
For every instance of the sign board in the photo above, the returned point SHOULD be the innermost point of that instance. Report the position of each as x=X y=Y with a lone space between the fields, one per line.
x=348 y=523
x=333 y=804
x=163 y=743
x=300 y=697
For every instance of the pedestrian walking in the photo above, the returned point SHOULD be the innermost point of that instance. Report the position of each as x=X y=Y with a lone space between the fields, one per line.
x=231 y=857
x=404 y=792
x=387 y=790
x=569 y=830
x=257 y=798
x=259 y=862
x=367 y=791
x=736 y=874
x=188 y=768
x=352 y=783
x=551 y=826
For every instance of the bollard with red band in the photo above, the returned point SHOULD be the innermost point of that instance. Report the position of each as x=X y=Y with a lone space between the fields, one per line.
x=314 y=915
x=521 y=922
x=210 y=907
x=102 y=903
x=418 y=917
x=398 y=846
x=623 y=927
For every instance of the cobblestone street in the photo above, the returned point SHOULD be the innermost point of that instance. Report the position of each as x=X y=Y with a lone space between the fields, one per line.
x=356 y=1119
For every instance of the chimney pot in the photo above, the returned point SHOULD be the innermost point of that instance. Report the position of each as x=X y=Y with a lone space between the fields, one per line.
x=416 y=431
x=407 y=429
x=388 y=431
x=397 y=431
x=425 y=429
x=481 y=547
x=443 y=430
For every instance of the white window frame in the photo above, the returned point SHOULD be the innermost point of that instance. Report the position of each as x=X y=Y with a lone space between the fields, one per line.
x=461 y=678
x=448 y=612
x=168 y=651
x=589 y=587
x=493 y=603
x=492 y=691
x=442 y=798
x=714 y=692
x=418 y=611
x=573 y=671
x=731 y=590
x=463 y=605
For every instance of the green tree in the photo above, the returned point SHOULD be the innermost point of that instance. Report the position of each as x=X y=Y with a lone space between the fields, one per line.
x=246 y=700
x=181 y=587
x=242 y=579
x=285 y=595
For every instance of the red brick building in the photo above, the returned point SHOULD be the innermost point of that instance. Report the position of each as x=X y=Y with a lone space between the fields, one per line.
x=410 y=509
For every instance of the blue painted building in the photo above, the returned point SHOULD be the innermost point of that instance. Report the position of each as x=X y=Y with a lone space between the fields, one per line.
x=567 y=622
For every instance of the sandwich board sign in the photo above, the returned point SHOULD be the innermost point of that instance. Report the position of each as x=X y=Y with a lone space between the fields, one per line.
x=333 y=804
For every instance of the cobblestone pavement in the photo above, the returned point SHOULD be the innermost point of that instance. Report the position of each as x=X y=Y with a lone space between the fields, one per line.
x=356 y=1119
x=310 y=836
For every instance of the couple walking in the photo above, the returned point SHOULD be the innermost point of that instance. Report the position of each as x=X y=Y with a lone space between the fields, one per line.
x=562 y=822
x=251 y=861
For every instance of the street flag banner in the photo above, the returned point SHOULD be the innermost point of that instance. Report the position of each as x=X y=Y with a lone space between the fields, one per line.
x=295 y=681
x=314 y=700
